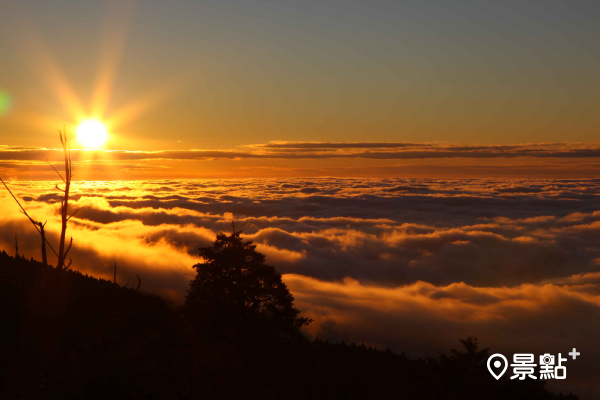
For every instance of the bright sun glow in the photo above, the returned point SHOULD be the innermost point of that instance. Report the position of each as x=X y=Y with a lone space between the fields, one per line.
x=92 y=133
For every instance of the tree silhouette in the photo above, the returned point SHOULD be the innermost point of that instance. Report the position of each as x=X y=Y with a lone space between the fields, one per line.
x=235 y=292
x=64 y=202
x=39 y=226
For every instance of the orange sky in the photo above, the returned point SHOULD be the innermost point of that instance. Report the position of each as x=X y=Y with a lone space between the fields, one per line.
x=226 y=75
x=192 y=90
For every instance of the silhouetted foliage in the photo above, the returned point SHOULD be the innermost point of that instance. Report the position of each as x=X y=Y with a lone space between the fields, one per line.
x=236 y=293
x=97 y=340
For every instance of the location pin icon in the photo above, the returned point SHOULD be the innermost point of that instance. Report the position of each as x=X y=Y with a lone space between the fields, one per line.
x=496 y=365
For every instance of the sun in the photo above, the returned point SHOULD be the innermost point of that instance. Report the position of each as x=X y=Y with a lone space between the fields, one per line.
x=92 y=133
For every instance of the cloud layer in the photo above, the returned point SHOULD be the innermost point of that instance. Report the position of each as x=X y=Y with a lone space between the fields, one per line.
x=391 y=262
x=289 y=159
x=321 y=150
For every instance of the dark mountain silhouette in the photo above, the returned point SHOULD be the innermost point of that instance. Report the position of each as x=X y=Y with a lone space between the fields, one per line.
x=236 y=336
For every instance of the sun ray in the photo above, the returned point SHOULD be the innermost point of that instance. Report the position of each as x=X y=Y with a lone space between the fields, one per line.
x=52 y=76
x=113 y=46
x=47 y=68
x=39 y=121
x=134 y=109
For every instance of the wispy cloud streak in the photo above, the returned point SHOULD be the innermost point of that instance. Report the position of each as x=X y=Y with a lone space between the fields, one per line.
x=385 y=151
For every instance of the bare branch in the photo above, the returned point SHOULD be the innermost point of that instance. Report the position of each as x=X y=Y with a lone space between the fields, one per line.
x=62 y=190
x=47 y=242
x=60 y=136
x=22 y=209
x=51 y=248
x=55 y=170
x=43 y=235
x=139 y=282
x=68 y=248
x=37 y=225
x=64 y=202
x=115 y=274
x=127 y=284
x=72 y=215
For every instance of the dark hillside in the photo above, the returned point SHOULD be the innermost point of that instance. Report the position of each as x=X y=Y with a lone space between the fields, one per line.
x=87 y=338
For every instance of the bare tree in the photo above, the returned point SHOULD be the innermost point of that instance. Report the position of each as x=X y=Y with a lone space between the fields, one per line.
x=39 y=226
x=64 y=202
x=64 y=208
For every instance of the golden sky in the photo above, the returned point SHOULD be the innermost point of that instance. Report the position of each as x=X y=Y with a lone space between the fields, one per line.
x=230 y=74
x=188 y=92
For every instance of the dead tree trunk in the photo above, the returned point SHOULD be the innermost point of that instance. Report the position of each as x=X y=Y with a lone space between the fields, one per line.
x=64 y=209
x=43 y=233
x=64 y=202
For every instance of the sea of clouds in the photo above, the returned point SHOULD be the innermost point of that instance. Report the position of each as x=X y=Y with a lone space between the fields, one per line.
x=413 y=265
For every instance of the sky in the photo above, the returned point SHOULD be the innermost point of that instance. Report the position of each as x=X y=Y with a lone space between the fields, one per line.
x=411 y=167
x=222 y=75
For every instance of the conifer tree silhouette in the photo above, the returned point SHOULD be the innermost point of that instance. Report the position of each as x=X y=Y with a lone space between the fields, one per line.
x=234 y=290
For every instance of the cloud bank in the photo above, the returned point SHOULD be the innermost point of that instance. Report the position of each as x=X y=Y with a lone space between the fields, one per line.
x=391 y=262
x=319 y=150
x=289 y=159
